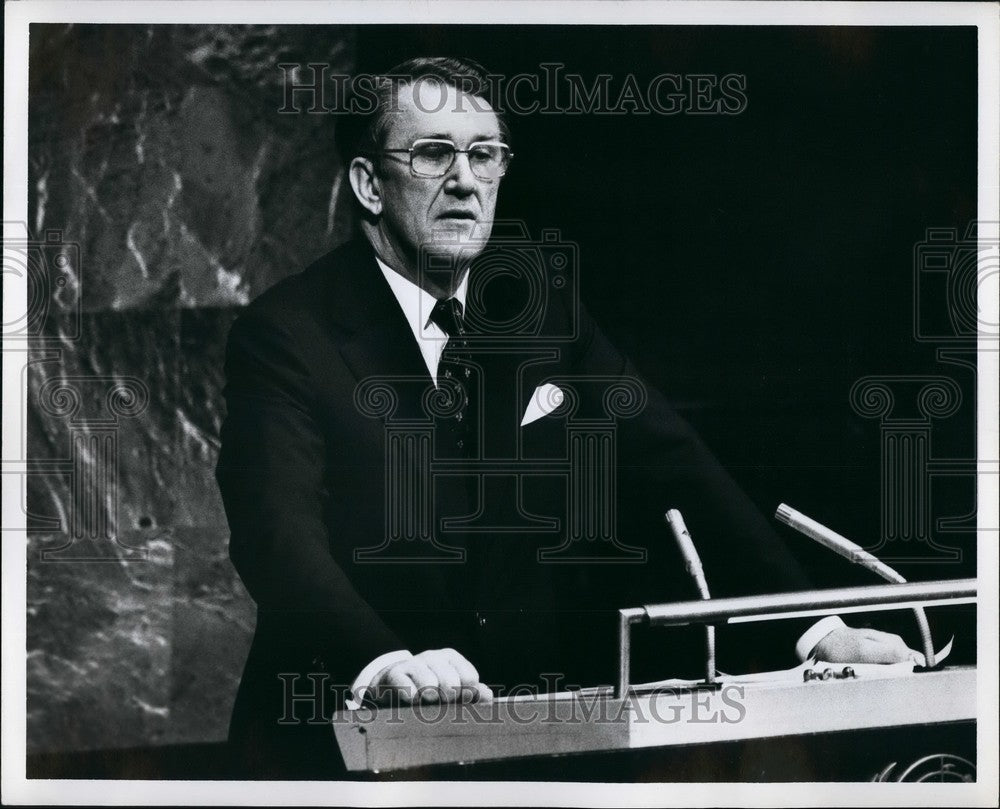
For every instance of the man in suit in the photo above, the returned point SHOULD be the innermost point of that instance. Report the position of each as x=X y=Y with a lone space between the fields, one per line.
x=394 y=465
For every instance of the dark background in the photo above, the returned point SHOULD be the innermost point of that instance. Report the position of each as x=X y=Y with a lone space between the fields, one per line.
x=754 y=266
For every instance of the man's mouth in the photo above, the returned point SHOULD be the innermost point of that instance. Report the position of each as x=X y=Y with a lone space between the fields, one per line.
x=458 y=215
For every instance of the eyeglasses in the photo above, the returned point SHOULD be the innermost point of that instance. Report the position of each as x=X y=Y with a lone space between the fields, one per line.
x=433 y=157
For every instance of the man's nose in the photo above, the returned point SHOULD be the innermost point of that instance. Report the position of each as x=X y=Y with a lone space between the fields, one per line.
x=461 y=180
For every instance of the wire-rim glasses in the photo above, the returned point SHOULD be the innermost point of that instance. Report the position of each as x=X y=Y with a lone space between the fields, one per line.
x=434 y=157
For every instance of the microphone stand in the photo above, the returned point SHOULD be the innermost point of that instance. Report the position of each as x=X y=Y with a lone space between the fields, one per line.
x=693 y=564
x=859 y=556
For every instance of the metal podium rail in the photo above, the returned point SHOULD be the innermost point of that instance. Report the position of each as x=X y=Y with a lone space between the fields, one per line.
x=814 y=698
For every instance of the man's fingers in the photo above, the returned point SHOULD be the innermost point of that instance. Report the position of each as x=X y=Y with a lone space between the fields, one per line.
x=883 y=637
x=466 y=671
x=483 y=693
x=448 y=680
x=434 y=675
x=396 y=681
x=897 y=646
x=848 y=645
x=411 y=680
x=876 y=651
x=455 y=674
x=888 y=648
x=426 y=680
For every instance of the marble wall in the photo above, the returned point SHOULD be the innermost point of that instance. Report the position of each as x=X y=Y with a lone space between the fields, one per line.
x=165 y=192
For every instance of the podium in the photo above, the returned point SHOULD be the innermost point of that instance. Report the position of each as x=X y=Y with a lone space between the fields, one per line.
x=917 y=724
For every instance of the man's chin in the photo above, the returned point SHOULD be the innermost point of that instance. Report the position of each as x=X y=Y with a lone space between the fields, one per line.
x=458 y=239
x=451 y=256
x=462 y=229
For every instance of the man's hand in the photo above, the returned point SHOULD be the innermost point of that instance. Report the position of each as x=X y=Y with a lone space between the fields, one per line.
x=850 y=645
x=436 y=675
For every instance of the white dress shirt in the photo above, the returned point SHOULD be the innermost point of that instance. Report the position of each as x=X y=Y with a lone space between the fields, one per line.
x=417 y=304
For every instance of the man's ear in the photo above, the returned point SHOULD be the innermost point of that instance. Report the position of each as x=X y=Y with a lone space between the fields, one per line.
x=366 y=185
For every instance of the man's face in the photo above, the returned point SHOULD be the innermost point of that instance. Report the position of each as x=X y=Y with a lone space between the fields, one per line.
x=450 y=215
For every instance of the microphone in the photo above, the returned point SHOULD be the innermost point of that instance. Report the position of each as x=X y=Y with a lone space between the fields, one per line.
x=859 y=556
x=836 y=543
x=692 y=563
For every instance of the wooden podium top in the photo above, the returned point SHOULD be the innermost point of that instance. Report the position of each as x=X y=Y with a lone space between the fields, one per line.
x=664 y=714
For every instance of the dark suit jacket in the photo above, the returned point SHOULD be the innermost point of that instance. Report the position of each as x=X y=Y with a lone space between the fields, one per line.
x=321 y=369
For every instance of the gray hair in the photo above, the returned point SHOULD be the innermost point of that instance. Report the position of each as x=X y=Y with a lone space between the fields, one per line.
x=465 y=75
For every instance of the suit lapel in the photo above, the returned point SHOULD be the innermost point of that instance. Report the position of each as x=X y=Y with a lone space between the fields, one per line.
x=380 y=342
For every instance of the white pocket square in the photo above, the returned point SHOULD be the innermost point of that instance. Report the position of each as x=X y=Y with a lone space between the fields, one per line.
x=544 y=400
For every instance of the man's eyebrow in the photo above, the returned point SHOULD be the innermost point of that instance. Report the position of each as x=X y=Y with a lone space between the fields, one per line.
x=474 y=139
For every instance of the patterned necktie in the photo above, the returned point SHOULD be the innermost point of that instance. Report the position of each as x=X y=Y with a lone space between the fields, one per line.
x=455 y=382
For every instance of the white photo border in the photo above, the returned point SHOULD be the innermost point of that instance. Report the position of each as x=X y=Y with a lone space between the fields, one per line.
x=17 y=790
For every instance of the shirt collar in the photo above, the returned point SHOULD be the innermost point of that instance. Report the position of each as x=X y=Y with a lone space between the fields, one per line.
x=416 y=303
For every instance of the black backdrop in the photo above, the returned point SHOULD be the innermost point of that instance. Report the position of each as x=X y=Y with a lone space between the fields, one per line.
x=756 y=265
